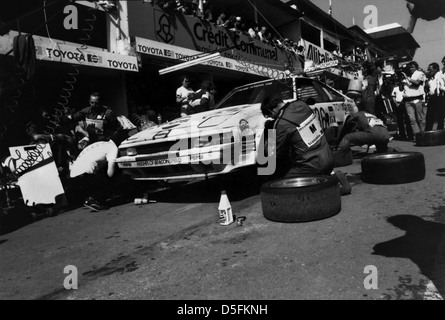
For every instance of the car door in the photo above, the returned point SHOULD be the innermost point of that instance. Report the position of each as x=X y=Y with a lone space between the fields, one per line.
x=323 y=107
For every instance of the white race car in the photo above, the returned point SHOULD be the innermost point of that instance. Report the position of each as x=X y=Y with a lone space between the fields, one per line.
x=227 y=138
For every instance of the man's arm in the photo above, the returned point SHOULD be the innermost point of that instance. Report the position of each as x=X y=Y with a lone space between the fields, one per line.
x=80 y=115
x=416 y=79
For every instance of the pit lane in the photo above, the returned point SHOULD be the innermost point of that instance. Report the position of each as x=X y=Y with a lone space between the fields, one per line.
x=176 y=249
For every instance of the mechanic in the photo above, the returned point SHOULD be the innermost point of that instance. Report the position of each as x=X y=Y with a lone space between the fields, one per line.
x=203 y=98
x=301 y=147
x=364 y=128
x=100 y=121
x=94 y=170
x=59 y=134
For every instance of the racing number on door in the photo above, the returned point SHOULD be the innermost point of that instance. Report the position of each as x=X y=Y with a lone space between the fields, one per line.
x=161 y=134
x=323 y=117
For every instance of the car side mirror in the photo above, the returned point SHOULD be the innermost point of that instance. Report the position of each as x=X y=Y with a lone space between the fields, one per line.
x=310 y=101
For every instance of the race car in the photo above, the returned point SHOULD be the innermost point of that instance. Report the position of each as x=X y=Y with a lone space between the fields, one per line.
x=227 y=138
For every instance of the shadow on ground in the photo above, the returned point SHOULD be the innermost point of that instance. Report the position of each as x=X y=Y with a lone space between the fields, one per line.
x=423 y=243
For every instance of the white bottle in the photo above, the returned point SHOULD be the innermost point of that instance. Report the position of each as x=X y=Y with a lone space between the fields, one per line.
x=225 y=210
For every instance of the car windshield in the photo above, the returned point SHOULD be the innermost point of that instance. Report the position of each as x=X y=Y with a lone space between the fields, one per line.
x=256 y=93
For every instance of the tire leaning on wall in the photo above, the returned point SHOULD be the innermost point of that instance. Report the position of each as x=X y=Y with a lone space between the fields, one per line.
x=430 y=138
x=301 y=199
x=393 y=168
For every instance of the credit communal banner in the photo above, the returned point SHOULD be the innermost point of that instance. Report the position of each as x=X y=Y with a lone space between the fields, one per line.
x=162 y=50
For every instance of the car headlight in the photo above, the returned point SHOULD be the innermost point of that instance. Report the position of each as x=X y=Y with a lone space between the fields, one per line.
x=131 y=152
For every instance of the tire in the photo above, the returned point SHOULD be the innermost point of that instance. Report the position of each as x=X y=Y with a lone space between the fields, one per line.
x=430 y=138
x=342 y=157
x=301 y=199
x=393 y=168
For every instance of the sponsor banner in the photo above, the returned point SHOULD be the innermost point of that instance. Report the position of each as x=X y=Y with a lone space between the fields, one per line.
x=58 y=51
x=189 y=159
x=188 y=32
x=316 y=54
x=325 y=65
x=159 y=49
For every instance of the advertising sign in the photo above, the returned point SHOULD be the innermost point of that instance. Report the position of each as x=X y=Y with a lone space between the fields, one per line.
x=181 y=31
x=162 y=50
x=58 y=51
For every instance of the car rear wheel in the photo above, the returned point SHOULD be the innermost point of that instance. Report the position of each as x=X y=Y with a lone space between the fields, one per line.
x=393 y=168
x=301 y=199
x=430 y=138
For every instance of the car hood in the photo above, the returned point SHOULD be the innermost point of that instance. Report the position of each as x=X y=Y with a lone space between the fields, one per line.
x=194 y=124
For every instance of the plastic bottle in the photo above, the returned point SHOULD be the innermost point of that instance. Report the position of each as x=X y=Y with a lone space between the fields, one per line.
x=225 y=210
x=159 y=119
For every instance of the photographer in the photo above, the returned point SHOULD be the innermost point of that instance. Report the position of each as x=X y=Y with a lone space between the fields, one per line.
x=413 y=96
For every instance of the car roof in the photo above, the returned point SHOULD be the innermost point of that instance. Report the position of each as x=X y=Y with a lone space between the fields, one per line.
x=271 y=80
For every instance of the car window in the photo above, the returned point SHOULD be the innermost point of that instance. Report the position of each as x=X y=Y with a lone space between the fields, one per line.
x=308 y=88
x=333 y=95
x=256 y=93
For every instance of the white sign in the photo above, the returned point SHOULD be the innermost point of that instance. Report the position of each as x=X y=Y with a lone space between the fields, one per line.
x=58 y=51
x=38 y=176
x=310 y=131
x=154 y=48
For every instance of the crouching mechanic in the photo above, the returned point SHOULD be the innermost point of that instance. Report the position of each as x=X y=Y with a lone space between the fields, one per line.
x=94 y=169
x=301 y=147
x=362 y=128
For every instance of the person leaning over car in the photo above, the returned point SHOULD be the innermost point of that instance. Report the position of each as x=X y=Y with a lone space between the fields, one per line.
x=301 y=147
x=202 y=99
x=364 y=128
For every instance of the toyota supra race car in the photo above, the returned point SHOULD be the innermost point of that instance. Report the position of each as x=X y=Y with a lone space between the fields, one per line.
x=227 y=138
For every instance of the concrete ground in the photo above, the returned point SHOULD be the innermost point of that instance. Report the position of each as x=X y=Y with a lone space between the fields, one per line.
x=176 y=248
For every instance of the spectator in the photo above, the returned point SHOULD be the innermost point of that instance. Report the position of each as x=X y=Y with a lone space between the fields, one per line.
x=299 y=152
x=262 y=33
x=337 y=52
x=435 y=87
x=362 y=128
x=236 y=25
x=413 y=96
x=183 y=96
x=208 y=15
x=221 y=21
x=253 y=31
x=403 y=124
x=202 y=99
x=100 y=121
